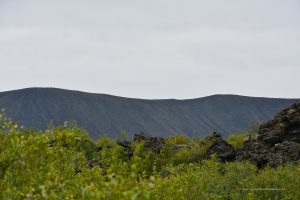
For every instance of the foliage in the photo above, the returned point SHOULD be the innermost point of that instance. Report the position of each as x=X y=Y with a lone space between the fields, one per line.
x=178 y=139
x=237 y=139
x=53 y=164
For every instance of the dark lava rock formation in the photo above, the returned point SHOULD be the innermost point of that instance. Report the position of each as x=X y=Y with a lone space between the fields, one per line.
x=220 y=148
x=277 y=143
x=278 y=140
x=154 y=144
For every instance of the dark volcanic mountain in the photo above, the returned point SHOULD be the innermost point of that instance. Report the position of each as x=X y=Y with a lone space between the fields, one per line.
x=107 y=115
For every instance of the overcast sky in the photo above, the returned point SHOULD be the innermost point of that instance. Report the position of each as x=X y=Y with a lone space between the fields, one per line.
x=152 y=48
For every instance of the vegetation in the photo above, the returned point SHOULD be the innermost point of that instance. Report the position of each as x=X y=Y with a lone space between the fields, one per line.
x=236 y=140
x=64 y=163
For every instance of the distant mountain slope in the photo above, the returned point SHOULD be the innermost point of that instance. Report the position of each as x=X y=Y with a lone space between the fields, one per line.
x=104 y=114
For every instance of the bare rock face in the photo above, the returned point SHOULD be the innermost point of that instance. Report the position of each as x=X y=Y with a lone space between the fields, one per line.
x=278 y=140
x=220 y=148
x=284 y=127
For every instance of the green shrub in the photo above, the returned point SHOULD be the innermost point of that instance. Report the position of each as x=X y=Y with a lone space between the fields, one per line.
x=237 y=140
x=52 y=164
x=178 y=139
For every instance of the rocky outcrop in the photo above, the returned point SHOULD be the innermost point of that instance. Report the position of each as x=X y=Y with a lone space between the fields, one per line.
x=219 y=147
x=278 y=140
x=154 y=144
x=284 y=127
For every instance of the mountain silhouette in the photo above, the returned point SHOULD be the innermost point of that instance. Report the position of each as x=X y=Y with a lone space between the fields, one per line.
x=102 y=114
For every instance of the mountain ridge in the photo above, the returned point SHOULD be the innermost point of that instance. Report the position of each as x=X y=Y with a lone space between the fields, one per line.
x=103 y=114
x=136 y=98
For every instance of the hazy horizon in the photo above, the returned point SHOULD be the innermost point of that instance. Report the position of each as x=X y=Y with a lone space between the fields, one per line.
x=152 y=49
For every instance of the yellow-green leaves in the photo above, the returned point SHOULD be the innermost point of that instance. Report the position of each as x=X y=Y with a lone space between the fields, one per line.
x=53 y=164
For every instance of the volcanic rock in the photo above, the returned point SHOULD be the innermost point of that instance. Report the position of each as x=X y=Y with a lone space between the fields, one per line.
x=155 y=144
x=220 y=148
x=278 y=140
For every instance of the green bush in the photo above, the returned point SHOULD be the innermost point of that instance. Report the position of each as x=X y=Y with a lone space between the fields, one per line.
x=237 y=140
x=53 y=164
x=178 y=139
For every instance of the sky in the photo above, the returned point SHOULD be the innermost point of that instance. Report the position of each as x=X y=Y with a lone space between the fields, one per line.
x=154 y=49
